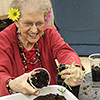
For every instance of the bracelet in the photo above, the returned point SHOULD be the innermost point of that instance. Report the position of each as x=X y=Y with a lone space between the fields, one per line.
x=84 y=76
x=9 y=89
x=83 y=73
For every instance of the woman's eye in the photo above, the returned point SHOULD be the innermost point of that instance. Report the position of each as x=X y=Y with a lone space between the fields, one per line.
x=28 y=23
x=40 y=23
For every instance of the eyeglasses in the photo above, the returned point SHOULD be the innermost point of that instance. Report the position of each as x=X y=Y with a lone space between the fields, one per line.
x=29 y=24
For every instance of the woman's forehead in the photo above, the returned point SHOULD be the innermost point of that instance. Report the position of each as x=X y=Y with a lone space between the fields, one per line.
x=32 y=16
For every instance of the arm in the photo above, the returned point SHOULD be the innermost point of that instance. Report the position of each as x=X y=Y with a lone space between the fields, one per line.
x=66 y=55
x=18 y=84
x=61 y=50
x=5 y=72
x=12 y=69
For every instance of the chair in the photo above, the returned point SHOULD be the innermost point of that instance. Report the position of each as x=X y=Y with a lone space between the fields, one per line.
x=4 y=23
x=78 y=22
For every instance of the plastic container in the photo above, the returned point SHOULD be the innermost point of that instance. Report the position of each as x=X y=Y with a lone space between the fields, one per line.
x=50 y=89
x=39 y=78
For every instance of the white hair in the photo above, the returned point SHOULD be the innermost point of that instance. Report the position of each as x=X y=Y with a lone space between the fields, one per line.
x=42 y=6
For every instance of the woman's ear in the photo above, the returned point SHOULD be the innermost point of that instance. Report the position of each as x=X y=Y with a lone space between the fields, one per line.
x=17 y=23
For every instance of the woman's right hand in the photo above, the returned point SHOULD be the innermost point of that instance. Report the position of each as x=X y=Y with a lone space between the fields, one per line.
x=21 y=85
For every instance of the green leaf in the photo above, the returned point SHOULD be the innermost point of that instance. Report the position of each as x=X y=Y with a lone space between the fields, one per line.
x=76 y=72
x=61 y=90
x=69 y=87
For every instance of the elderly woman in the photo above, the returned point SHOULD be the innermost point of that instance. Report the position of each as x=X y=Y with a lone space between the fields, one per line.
x=30 y=43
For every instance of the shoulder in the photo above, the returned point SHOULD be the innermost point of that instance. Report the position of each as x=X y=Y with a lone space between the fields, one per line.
x=9 y=32
x=10 y=29
x=51 y=32
x=49 y=28
x=8 y=36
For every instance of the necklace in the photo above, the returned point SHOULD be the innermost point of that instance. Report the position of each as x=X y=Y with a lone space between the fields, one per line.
x=20 y=45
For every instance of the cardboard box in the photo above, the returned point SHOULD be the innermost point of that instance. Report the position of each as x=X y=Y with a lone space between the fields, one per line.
x=46 y=90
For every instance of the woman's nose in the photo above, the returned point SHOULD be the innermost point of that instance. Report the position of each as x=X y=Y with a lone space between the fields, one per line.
x=34 y=28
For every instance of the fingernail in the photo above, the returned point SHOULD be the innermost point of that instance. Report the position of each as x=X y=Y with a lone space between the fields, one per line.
x=37 y=92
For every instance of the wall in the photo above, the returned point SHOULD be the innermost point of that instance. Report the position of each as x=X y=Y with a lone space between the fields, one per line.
x=4 y=9
x=4 y=6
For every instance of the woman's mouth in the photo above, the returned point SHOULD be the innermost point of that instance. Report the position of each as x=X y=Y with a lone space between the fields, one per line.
x=33 y=35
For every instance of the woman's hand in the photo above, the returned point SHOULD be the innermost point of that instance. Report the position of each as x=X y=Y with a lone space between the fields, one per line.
x=73 y=76
x=21 y=85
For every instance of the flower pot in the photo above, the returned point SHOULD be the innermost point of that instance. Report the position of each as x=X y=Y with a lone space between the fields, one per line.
x=39 y=78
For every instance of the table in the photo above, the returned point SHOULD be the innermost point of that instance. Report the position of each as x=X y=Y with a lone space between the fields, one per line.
x=89 y=91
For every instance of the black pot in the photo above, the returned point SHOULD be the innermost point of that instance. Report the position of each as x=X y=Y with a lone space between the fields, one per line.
x=75 y=90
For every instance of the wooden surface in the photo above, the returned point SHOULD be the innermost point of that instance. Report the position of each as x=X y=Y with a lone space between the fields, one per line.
x=3 y=17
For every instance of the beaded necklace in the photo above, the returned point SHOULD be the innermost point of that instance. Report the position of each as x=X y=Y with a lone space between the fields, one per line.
x=23 y=55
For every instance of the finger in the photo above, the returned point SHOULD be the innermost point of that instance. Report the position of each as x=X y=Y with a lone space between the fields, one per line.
x=27 y=94
x=66 y=71
x=66 y=76
x=33 y=73
x=37 y=93
x=31 y=90
x=82 y=76
x=69 y=70
x=70 y=77
x=76 y=79
x=68 y=82
x=72 y=82
x=79 y=74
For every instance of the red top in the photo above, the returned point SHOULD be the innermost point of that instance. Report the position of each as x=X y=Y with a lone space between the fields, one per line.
x=31 y=57
x=51 y=47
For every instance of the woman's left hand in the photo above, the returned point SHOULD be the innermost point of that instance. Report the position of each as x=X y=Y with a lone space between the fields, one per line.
x=73 y=76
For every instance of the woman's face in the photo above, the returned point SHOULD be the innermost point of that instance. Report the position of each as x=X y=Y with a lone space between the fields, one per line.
x=31 y=26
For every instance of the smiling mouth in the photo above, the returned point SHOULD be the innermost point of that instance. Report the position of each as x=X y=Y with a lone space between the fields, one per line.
x=33 y=35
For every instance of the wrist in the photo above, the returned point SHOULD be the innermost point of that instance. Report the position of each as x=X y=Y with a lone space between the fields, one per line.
x=8 y=87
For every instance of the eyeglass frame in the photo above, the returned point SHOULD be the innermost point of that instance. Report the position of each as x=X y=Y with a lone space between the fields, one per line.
x=42 y=24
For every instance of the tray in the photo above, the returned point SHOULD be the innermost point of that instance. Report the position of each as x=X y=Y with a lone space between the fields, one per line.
x=46 y=90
